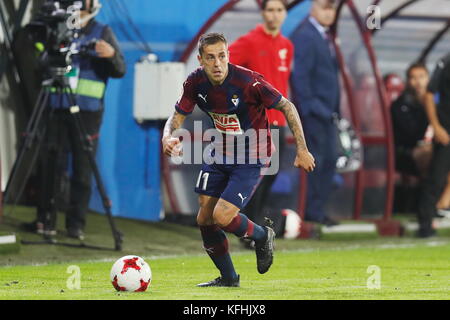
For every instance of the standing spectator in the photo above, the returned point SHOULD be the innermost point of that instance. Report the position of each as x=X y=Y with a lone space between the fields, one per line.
x=439 y=117
x=265 y=50
x=315 y=90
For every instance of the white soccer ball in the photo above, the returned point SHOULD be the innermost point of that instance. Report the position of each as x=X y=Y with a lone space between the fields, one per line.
x=293 y=224
x=131 y=273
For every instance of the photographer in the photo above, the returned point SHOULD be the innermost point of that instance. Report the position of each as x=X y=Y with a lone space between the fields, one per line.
x=99 y=59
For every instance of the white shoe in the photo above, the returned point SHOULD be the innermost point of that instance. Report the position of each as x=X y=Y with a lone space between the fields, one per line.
x=444 y=213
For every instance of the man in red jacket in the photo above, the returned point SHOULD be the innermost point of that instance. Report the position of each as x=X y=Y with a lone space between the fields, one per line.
x=266 y=51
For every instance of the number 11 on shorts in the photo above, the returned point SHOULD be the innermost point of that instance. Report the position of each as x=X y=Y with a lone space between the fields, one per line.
x=203 y=176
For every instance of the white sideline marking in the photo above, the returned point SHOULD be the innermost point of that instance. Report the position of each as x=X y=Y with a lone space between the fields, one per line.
x=344 y=228
x=442 y=223
x=356 y=247
x=8 y=239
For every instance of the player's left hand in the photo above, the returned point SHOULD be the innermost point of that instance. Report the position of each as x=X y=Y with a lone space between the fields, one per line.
x=305 y=160
x=104 y=49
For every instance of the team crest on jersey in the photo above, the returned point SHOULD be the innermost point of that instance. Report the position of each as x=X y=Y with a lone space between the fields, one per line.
x=235 y=100
x=226 y=123
x=283 y=54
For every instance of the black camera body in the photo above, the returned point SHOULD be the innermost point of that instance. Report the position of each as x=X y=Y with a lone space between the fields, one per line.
x=55 y=29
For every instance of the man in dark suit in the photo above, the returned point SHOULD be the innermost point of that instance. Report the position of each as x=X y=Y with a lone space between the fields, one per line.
x=315 y=91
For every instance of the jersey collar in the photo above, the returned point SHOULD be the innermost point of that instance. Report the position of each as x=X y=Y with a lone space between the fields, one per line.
x=260 y=29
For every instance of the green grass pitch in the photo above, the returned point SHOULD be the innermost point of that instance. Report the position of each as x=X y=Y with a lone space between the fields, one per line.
x=407 y=268
x=411 y=272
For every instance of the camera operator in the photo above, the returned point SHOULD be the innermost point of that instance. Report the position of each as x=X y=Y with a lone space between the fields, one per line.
x=100 y=58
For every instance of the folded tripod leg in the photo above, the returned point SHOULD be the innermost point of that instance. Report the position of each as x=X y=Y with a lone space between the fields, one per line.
x=86 y=142
x=30 y=135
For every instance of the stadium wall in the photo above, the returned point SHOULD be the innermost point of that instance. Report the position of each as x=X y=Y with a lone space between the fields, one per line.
x=128 y=154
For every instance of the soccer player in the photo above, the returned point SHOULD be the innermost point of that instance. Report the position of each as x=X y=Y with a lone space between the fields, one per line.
x=236 y=100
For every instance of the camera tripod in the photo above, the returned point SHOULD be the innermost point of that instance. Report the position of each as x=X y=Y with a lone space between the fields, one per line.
x=35 y=132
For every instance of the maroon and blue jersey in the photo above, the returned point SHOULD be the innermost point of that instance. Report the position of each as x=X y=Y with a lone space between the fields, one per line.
x=237 y=109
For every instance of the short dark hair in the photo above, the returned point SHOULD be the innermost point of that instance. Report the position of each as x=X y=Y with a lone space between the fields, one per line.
x=331 y=2
x=415 y=65
x=210 y=38
x=264 y=3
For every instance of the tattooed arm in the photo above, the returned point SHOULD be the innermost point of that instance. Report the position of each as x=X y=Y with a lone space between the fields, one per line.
x=173 y=123
x=293 y=120
x=304 y=159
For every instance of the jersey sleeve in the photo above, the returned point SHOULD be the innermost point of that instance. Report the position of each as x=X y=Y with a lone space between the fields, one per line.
x=185 y=105
x=265 y=92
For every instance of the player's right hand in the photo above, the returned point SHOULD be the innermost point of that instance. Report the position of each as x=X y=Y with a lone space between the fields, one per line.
x=441 y=135
x=305 y=160
x=171 y=146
